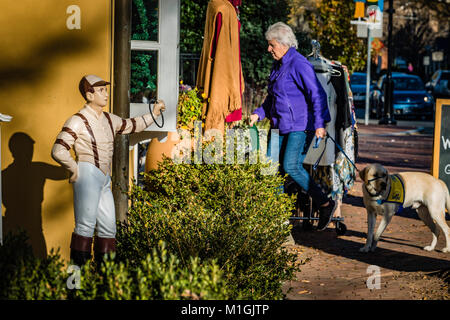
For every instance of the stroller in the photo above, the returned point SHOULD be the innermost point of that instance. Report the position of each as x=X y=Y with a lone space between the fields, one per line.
x=306 y=211
x=304 y=207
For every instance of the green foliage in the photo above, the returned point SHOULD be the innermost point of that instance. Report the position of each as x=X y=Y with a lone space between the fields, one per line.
x=192 y=25
x=141 y=70
x=230 y=213
x=22 y=276
x=189 y=108
x=145 y=20
x=304 y=42
x=159 y=275
x=143 y=64
x=331 y=26
x=255 y=16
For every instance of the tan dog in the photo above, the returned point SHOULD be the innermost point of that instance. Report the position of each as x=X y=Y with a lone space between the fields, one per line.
x=423 y=192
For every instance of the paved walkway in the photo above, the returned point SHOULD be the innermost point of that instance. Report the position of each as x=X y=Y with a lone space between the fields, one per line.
x=335 y=269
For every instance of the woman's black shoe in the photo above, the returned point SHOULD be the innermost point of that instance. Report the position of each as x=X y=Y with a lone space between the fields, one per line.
x=325 y=215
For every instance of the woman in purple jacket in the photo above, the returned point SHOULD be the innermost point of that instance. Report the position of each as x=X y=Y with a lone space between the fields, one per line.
x=296 y=104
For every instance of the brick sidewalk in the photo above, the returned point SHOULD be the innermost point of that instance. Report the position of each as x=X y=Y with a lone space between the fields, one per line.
x=337 y=270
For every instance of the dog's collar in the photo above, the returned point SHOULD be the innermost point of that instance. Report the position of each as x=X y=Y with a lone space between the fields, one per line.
x=396 y=192
x=370 y=181
x=377 y=194
x=374 y=195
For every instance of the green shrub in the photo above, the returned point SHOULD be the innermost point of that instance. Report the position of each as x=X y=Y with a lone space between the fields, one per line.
x=189 y=109
x=22 y=276
x=231 y=213
x=159 y=275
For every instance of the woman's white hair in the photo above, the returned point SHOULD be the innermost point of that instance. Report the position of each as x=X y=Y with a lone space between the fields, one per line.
x=283 y=34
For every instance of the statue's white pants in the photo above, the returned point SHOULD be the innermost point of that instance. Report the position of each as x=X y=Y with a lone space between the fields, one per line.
x=93 y=202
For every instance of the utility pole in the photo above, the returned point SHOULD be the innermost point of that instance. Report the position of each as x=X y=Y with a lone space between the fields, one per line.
x=388 y=117
x=121 y=103
x=369 y=47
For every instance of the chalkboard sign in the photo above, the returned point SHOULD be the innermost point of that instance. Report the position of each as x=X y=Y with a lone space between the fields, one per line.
x=441 y=148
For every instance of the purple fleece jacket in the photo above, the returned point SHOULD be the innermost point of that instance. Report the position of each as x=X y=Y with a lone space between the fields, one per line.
x=296 y=100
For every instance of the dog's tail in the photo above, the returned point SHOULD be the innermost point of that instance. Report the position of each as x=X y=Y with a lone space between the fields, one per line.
x=447 y=200
x=447 y=196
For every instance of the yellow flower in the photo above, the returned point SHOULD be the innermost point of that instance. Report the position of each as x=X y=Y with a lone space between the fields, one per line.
x=204 y=96
x=184 y=127
x=203 y=124
x=192 y=108
x=181 y=81
x=194 y=118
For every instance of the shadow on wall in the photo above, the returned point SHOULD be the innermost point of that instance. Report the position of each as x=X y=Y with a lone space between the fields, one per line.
x=23 y=191
x=32 y=68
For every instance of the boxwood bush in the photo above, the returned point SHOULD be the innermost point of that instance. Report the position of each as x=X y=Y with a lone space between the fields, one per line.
x=232 y=214
x=159 y=275
x=22 y=276
x=193 y=232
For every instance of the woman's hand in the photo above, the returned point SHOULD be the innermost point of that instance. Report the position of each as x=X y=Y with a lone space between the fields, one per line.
x=253 y=118
x=321 y=133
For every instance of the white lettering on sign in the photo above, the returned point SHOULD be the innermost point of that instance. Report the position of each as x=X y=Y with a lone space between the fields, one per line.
x=446 y=143
x=447 y=169
x=374 y=281
x=74 y=20
x=74 y=281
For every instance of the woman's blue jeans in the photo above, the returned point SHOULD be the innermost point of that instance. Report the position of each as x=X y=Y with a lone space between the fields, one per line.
x=293 y=149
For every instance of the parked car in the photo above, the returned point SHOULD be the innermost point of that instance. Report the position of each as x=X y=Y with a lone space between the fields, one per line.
x=439 y=85
x=358 y=87
x=409 y=97
x=401 y=64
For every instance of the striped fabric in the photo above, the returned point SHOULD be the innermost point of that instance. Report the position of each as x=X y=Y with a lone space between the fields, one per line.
x=70 y=131
x=93 y=141
x=63 y=143
x=110 y=122
x=91 y=134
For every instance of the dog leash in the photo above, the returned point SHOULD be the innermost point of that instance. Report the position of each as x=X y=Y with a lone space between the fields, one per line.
x=316 y=145
x=343 y=152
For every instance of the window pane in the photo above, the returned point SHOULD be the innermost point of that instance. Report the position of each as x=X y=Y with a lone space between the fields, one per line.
x=144 y=79
x=144 y=24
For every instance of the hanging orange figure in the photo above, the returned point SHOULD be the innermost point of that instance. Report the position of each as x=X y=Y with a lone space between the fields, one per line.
x=219 y=76
x=359 y=9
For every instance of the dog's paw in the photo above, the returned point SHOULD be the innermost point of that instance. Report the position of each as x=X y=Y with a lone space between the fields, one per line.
x=364 y=249
x=428 y=248
x=446 y=250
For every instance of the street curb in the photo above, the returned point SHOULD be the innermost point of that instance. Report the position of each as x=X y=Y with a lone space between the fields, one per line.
x=402 y=133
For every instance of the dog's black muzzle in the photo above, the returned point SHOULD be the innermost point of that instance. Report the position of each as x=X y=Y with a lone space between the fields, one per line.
x=383 y=187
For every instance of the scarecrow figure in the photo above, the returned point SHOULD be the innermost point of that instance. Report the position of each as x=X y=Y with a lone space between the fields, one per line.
x=219 y=76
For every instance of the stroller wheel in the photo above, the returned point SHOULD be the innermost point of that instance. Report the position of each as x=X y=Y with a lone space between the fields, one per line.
x=307 y=225
x=341 y=228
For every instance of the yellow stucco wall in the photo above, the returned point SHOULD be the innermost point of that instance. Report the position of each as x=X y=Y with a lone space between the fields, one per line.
x=41 y=63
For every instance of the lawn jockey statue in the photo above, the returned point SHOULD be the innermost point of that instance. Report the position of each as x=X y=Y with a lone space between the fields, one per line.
x=91 y=133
